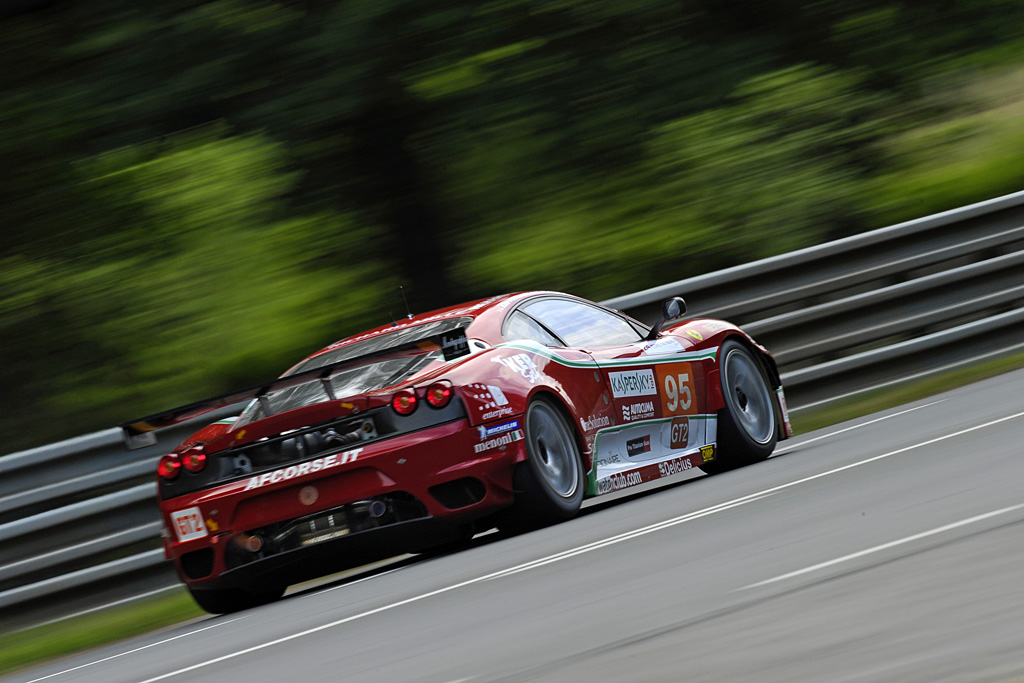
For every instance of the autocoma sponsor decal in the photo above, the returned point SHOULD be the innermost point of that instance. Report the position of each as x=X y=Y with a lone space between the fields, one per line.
x=633 y=383
x=594 y=422
x=499 y=441
x=521 y=363
x=679 y=433
x=486 y=432
x=638 y=411
x=618 y=481
x=638 y=446
x=298 y=470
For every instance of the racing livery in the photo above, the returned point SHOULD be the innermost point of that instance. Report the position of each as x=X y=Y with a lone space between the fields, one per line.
x=504 y=412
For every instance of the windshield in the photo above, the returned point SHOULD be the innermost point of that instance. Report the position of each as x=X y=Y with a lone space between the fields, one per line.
x=374 y=373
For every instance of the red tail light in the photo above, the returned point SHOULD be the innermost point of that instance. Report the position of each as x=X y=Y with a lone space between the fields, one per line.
x=169 y=466
x=439 y=394
x=404 y=402
x=194 y=459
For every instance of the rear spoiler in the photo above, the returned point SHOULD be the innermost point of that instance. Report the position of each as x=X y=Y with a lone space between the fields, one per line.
x=140 y=432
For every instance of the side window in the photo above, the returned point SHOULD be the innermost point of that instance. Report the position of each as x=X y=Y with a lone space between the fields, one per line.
x=520 y=326
x=580 y=324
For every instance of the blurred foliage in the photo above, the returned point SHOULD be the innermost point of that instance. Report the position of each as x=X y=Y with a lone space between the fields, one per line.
x=197 y=193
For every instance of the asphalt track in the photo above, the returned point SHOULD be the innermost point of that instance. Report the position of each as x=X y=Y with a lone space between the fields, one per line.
x=890 y=548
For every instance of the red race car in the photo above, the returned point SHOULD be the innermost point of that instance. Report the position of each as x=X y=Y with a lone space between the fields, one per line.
x=504 y=412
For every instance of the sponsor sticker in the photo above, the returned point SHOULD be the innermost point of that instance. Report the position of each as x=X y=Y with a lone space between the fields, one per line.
x=454 y=344
x=487 y=432
x=630 y=383
x=638 y=411
x=674 y=466
x=302 y=468
x=493 y=403
x=618 y=481
x=188 y=524
x=521 y=363
x=594 y=422
x=501 y=441
x=679 y=433
x=662 y=346
x=638 y=446
x=678 y=394
x=610 y=460
x=707 y=453
x=785 y=411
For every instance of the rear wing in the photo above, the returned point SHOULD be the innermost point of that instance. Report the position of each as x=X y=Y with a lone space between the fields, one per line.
x=140 y=432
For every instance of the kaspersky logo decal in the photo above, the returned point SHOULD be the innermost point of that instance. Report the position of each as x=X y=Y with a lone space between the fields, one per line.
x=633 y=383
x=292 y=471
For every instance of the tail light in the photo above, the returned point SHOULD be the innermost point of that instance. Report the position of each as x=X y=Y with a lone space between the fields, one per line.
x=439 y=394
x=169 y=466
x=194 y=459
x=404 y=402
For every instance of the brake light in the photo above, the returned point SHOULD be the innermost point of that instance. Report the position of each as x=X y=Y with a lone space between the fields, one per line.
x=404 y=402
x=194 y=459
x=169 y=466
x=439 y=394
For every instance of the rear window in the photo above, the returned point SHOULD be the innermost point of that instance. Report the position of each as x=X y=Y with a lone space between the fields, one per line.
x=376 y=373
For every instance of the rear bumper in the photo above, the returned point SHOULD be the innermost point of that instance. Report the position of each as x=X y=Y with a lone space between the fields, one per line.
x=444 y=473
x=346 y=552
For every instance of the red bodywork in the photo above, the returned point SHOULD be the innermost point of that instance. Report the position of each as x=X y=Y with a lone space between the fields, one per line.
x=453 y=473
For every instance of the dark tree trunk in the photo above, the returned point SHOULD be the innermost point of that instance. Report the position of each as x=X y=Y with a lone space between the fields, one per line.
x=397 y=188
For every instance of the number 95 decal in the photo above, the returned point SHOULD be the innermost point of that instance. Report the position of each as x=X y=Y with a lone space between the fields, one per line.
x=675 y=384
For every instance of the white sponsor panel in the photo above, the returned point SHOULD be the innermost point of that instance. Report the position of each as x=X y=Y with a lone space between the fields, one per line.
x=628 y=383
x=188 y=524
x=303 y=468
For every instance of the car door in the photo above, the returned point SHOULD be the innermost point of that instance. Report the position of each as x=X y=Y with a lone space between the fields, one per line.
x=656 y=391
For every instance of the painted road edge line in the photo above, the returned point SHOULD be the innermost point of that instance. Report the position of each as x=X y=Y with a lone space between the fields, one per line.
x=885 y=546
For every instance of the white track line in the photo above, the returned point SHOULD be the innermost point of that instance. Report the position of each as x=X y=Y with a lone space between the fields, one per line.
x=885 y=546
x=570 y=553
x=788 y=448
x=138 y=649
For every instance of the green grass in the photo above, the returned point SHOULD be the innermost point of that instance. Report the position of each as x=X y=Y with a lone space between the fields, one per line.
x=882 y=399
x=45 y=643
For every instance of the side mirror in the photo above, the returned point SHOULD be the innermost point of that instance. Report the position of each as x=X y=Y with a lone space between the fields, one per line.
x=670 y=310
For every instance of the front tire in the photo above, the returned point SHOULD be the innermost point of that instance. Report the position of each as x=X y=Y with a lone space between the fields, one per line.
x=227 y=600
x=550 y=484
x=748 y=427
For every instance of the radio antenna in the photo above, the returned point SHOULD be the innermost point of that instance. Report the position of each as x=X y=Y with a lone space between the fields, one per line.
x=402 y=289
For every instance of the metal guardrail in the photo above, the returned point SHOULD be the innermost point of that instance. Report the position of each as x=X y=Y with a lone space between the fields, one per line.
x=78 y=519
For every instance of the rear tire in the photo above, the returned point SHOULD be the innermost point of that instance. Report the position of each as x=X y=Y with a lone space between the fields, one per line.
x=748 y=427
x=227 y=600
x=551 y=483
